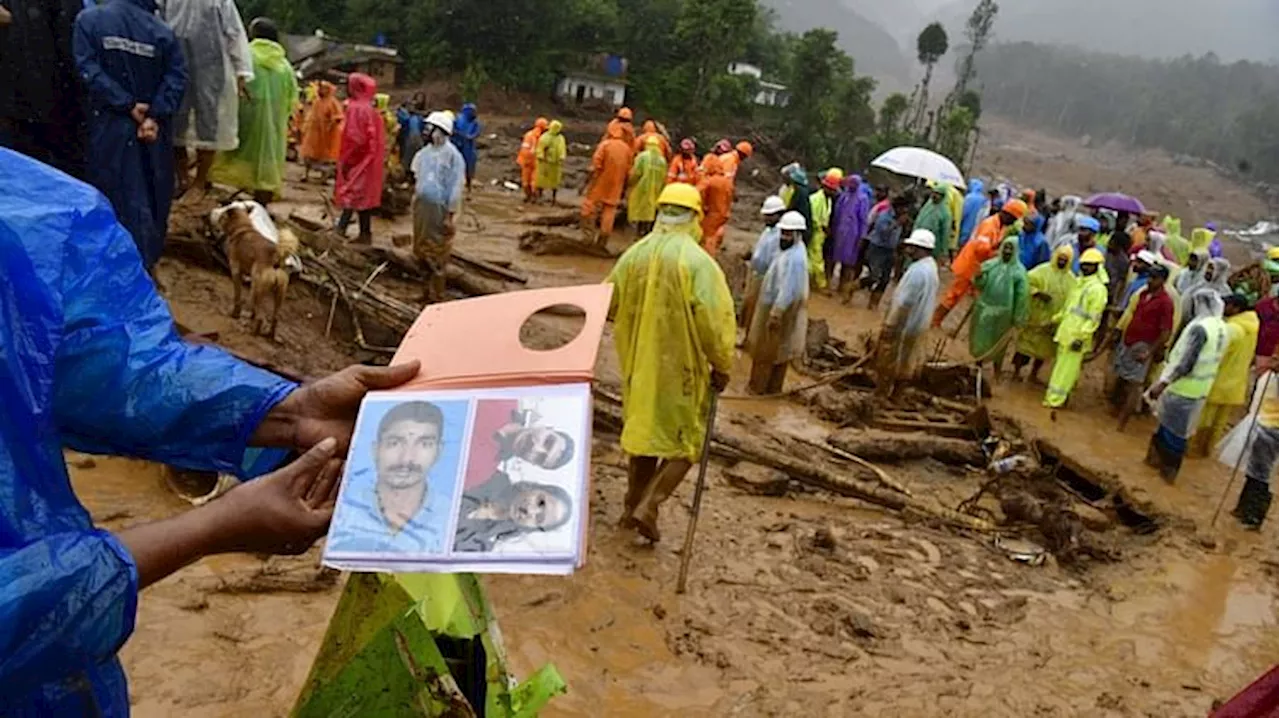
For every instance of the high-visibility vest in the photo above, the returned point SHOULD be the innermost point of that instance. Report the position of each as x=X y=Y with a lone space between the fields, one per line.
x=1197 y=384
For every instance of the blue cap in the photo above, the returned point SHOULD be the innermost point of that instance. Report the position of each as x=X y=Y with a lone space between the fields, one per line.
x=1088 y=223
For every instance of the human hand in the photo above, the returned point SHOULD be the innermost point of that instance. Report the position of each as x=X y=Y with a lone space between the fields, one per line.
x=148 y=131
x=1077 y=345
x=328 y=407
x=242 y=88
x=719 y=380
x=285 y=511
x=450 y=225
x=5 y=16
x=139 y=112
x=1157 y=390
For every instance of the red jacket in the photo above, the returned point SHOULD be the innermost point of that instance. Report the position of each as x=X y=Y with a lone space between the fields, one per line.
x=361 y=159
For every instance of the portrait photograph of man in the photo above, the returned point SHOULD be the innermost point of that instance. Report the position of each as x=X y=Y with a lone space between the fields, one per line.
x=401 y=479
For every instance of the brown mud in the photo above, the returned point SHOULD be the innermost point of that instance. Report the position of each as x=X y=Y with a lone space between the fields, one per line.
x=801 y=603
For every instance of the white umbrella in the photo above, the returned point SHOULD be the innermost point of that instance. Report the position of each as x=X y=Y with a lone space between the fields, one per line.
x=919 y=162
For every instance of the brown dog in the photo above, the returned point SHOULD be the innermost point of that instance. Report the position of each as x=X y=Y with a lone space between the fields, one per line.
x=251 y=253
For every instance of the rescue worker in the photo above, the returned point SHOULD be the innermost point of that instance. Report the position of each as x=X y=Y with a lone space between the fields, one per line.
x=730 y=161
x=94 y=364
x=610 y=166
x=439 y=172
x=622 y=122
x=1185 y=382
x=935 y=216
x=219 y=69
x=411 y=119
x=650 y=129
x=1048 y=287
x=982 y=246
x=674 y=331
x=644 y=184
x=1231 y=387
x=134 y=76
x=897 y=352
x=780 y=319
x=762 y=255
x=684 y=166
x=881 y=252
x=955 y=205
x=550 y=161
x=257 y=162
x=717 y=203
x=821 y=244
x=796 y=194
x=1001 y=305
x=527 y=158
x=358 y=187
x=322 y=132
x=1077 y=323
x=721 y=147
x=466 y=129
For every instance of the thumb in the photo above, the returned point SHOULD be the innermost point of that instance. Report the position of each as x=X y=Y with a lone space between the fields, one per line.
x=388 y=377
x=301 y=473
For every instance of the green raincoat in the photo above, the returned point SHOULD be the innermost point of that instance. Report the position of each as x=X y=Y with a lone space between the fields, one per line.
x=648 y=177
x=258 y=163
x=936 y=217
x=1036 y=338
x=1001 y=304
x=1174 y=240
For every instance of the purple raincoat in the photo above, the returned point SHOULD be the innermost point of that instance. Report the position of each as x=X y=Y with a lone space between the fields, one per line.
x=849 y=220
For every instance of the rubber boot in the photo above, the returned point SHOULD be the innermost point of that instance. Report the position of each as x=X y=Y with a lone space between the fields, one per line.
x=669 y=476
x=1254 y=503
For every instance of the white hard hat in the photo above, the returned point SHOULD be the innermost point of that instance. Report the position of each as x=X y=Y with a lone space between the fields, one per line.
x=443 y=120
x=792 y=220
x=773 y=204
x=922 y=238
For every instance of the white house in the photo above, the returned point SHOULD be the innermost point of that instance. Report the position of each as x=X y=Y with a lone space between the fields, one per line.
x=580 y=87
x=770 y=94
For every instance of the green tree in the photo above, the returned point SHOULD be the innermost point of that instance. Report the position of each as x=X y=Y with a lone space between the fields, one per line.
x=710 y=34
x=931 y=45
x=891 y=112
x=977 y=30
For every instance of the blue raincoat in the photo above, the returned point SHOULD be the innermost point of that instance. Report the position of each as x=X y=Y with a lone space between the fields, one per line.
x=975 y=209
x=466 y=128
x=1033 y=248
x=90 y=361
x=125 y=55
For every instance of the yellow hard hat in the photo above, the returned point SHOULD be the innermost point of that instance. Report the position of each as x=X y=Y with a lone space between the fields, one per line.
x=1091 y=256
x=1273 y=253
x=679 y=194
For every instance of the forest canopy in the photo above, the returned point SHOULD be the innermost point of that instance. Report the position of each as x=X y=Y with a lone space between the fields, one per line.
x=677 y=51
x=1226 y=113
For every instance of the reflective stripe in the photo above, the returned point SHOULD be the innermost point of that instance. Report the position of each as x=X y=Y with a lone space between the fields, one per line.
x=133 y=47
x=1080 y=312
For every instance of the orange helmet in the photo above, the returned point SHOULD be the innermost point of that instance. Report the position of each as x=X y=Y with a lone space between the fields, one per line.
x=1015 y=207
x=745 y=148
x=624 y=113
x=541 y=123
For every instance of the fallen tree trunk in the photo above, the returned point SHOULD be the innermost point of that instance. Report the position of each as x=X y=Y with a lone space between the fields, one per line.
x=724 y=444
x=890 y=446
x=540 y=243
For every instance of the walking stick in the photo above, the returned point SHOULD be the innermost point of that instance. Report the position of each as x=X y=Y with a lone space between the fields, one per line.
x=1253 y=423
x=687 y=552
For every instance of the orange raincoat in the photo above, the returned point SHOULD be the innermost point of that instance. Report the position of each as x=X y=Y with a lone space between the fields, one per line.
x=651 y=130
x=322 y=128
x=627 y=130
x=684 y=169
x=983 y=246
x=610 y=167
x=717 y=201
x=729 y=161
x=527 y=158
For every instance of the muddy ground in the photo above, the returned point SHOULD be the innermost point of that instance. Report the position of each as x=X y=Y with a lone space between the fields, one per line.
x=799 y=604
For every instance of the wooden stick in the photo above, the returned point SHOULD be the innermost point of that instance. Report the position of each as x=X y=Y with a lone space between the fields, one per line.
x=880 y=473
x=687 y=552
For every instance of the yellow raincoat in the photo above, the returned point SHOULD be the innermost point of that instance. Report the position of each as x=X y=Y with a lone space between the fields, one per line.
x=1036 y=338
x=551 y=152
x=673 y=322
x=648 y=177
x=1079 y=319
x=955 y=204
x=1231 y=386
x=820 y=206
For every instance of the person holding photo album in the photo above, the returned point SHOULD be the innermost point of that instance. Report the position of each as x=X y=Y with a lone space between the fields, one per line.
x=93 y=363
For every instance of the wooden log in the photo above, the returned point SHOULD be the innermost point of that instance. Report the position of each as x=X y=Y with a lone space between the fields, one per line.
x=937 y=428
x=490 y=267
x=879 y=473
x=889 y=446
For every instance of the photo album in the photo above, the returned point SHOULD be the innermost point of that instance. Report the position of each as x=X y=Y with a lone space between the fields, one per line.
x=478 y=465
